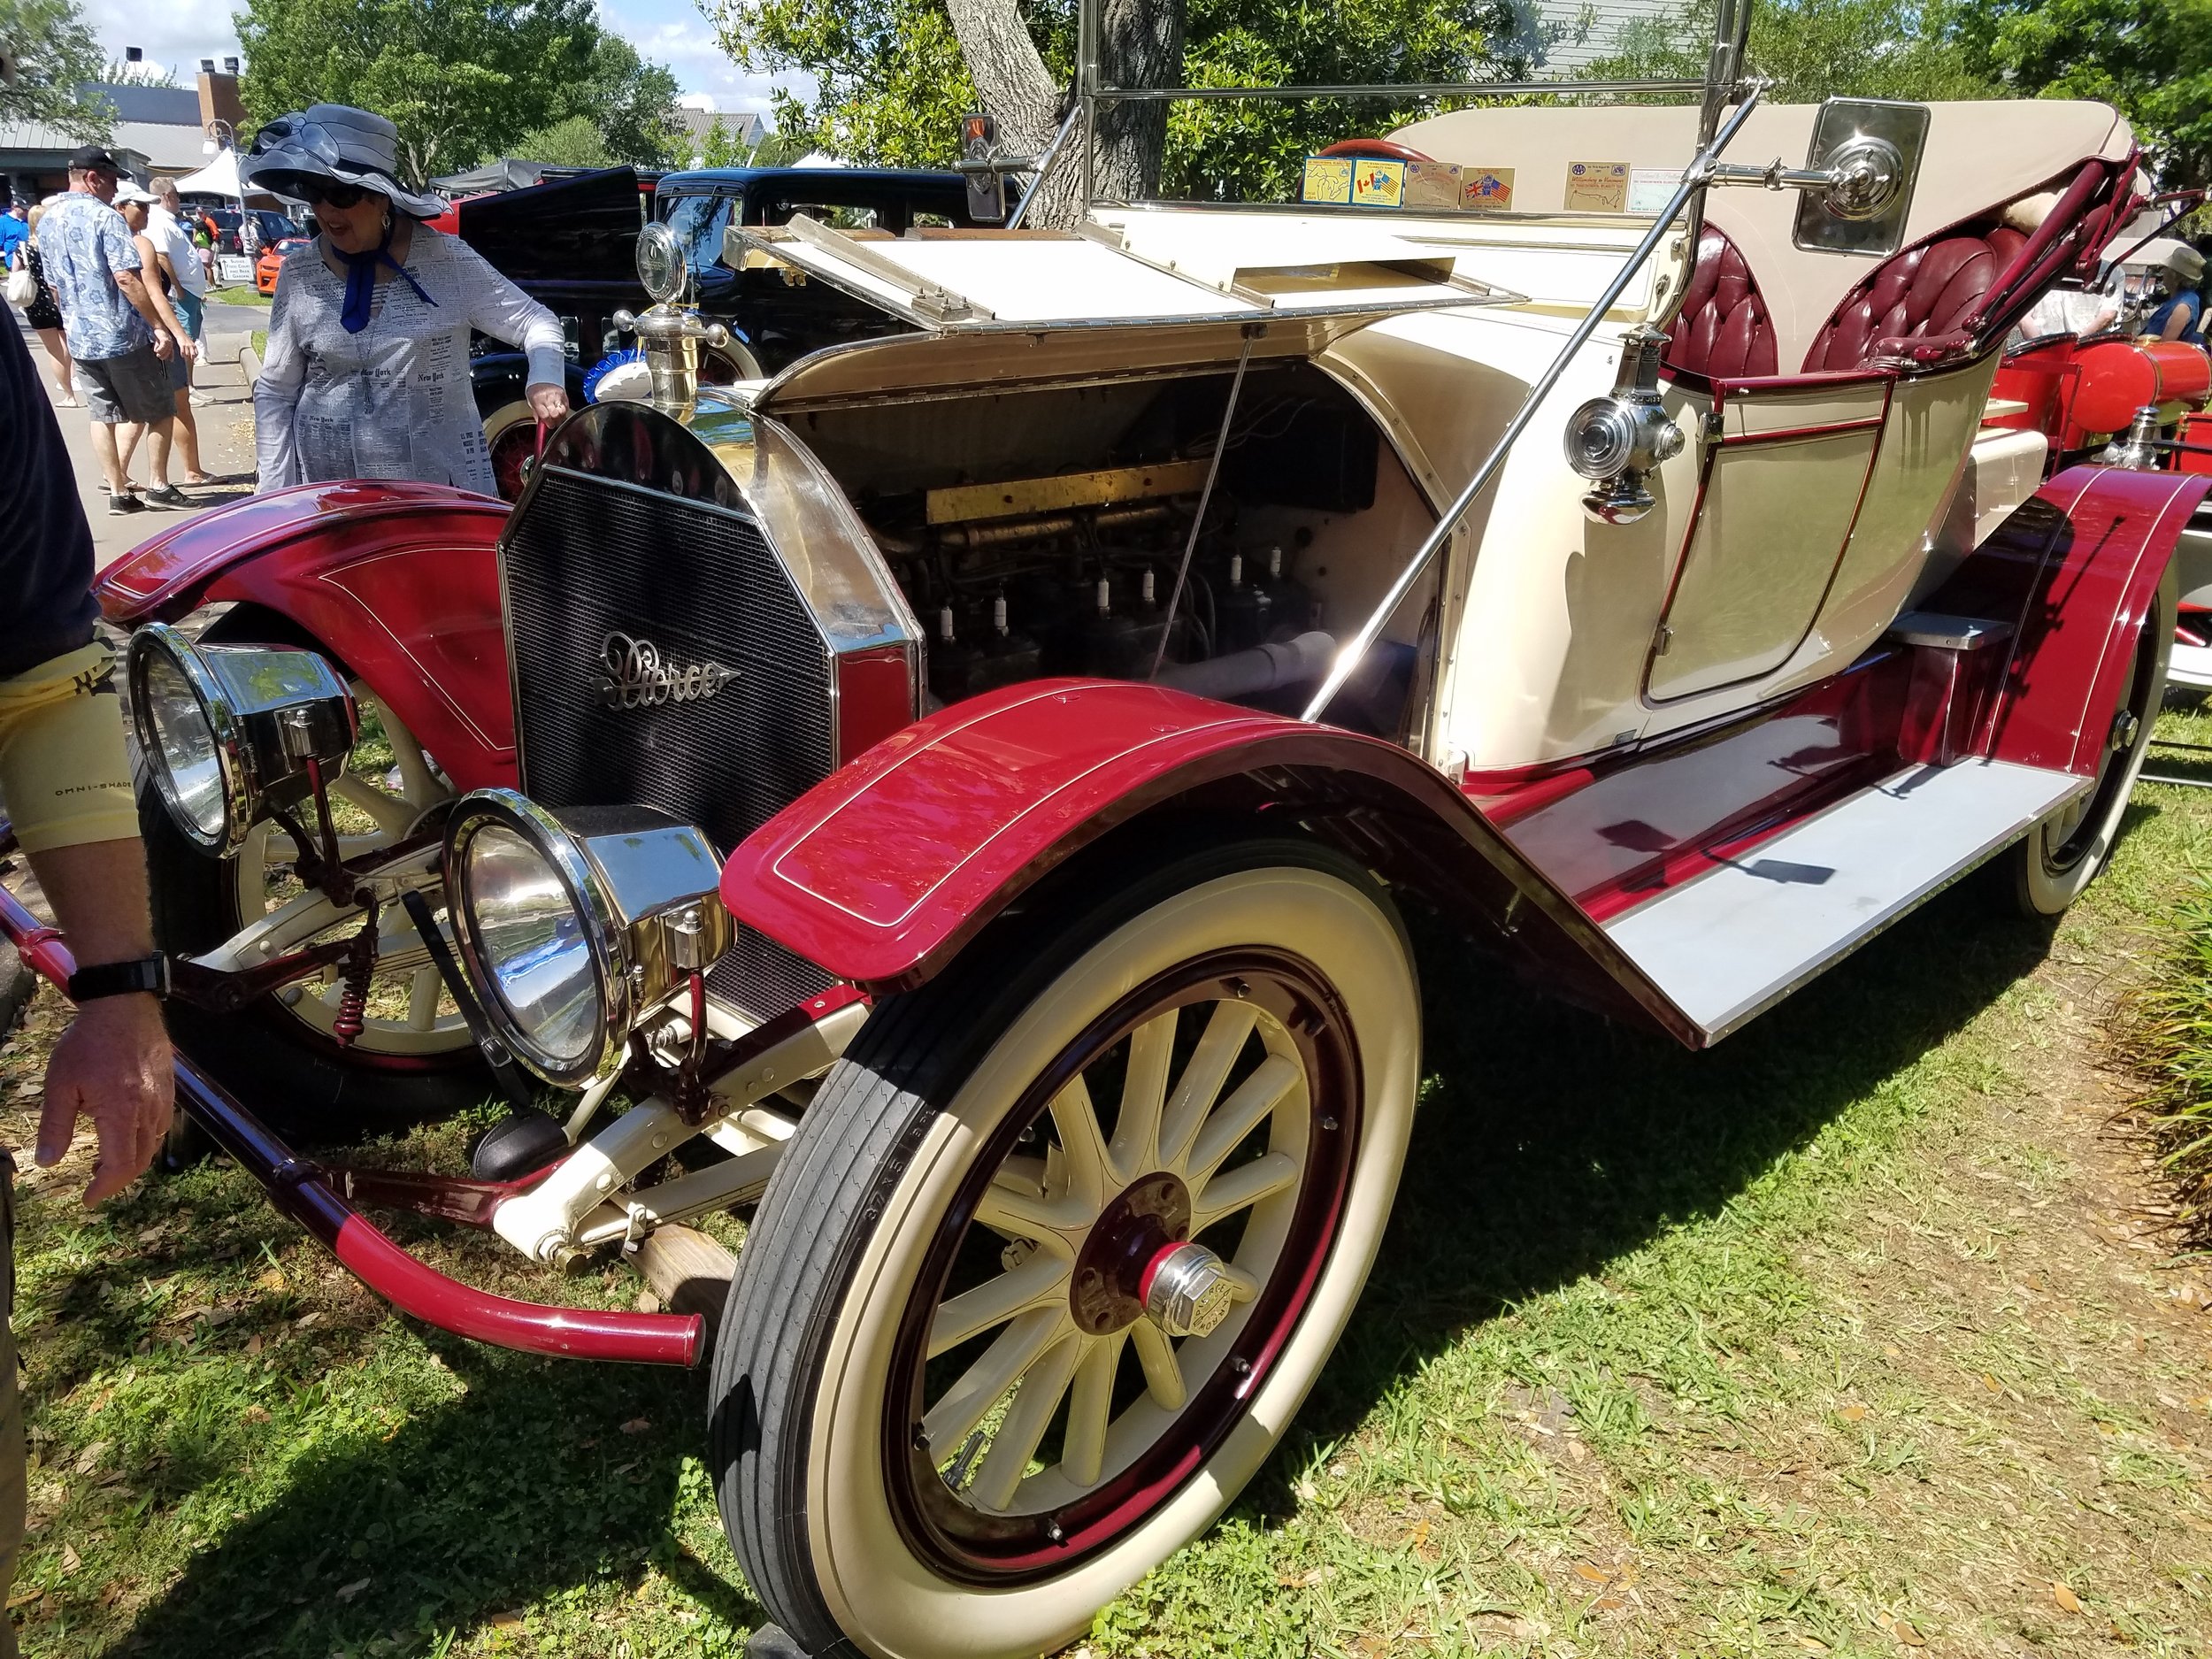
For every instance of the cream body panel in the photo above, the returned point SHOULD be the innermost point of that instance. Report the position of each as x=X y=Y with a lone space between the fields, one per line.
x=1546 y=617
x=2003 y=468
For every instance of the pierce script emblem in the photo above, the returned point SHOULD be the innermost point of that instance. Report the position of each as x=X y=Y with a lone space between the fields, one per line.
x=638 y=678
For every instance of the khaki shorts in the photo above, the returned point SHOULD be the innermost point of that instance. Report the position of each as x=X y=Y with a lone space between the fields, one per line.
x=131 y=387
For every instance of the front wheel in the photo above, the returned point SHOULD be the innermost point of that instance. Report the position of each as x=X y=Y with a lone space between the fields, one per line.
x=2062 y=855
x=1058 y=1250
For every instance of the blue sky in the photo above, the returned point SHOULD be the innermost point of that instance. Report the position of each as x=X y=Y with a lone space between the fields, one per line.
x=177 y=34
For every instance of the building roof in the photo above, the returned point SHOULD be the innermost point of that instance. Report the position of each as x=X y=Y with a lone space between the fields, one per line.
x=695 y=125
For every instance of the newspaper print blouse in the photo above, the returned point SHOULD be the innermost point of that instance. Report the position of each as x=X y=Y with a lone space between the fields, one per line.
x=393 y=401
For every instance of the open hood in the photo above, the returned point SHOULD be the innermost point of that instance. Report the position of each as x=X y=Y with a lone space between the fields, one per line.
x=1023 y=308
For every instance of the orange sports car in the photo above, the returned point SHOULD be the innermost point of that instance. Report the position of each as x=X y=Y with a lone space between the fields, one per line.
x=272 y=261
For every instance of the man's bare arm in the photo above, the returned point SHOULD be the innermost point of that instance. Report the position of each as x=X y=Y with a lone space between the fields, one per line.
x=134 y=289
x=112 y=1064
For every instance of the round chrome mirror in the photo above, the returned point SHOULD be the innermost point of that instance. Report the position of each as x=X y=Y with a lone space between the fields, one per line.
x=660 y=263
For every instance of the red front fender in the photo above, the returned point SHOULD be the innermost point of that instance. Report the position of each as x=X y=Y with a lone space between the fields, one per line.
x=399 y=581
x=881 y=873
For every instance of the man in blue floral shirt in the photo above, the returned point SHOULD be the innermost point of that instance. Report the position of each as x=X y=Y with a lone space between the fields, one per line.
x=116 y=338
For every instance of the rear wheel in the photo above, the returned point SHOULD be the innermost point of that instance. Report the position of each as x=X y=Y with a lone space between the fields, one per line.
x=1058 y=1250
x=2061 y=856
x=414 y=1059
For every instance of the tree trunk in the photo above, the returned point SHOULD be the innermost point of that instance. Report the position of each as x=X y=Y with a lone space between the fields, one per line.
x=1142 y=45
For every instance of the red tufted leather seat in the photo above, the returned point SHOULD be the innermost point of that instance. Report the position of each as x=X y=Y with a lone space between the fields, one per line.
x=1919 y=293
x=1723 y=331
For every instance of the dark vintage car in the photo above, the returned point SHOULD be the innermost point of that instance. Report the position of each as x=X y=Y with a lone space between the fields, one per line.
x=571 y=244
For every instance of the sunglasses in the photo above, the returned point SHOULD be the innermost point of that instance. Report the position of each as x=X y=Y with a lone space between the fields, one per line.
x=338 y=195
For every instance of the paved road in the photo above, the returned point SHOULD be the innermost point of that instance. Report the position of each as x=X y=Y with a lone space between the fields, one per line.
x=225 y=427
x=225 y=319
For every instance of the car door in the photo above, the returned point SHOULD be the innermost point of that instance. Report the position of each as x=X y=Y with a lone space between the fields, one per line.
x=1783 y=475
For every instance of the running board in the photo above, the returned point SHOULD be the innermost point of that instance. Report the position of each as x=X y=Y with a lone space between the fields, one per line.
x=1728 y=944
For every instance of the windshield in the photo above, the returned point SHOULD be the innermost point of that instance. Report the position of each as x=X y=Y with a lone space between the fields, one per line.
x=698 y=222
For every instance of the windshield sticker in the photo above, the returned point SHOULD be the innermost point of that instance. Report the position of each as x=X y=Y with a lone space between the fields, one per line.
x=1597 y=187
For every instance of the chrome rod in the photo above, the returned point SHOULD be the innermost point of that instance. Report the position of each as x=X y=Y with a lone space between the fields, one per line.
x=1694 y=179
x=1087 y=33
x=1044 y=164
x=1394 y=90
x=1205 y=497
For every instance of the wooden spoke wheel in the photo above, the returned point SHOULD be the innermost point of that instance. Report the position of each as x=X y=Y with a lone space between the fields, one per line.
x=1057 y=1250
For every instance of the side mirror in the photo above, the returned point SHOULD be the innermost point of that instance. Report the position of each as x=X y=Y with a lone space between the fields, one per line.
x=1869 y=150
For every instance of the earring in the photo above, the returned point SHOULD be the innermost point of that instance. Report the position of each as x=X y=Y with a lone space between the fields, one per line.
x=387 y=225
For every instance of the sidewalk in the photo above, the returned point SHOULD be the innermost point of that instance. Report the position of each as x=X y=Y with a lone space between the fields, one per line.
x=226 y=448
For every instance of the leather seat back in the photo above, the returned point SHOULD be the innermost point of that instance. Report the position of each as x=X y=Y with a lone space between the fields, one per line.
x=1921 y=292
x=1723 y=331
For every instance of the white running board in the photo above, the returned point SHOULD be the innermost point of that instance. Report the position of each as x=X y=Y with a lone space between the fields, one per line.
x=1735 y=941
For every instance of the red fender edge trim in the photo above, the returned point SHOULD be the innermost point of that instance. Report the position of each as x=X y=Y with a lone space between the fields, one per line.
x=881 y=873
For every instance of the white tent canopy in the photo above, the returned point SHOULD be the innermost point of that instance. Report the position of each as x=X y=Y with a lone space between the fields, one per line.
x=219 y=177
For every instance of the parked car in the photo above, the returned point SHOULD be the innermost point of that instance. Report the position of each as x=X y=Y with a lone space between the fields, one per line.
x=964 y=788
x=269 y=226
x=571 y=244
x=272 y=261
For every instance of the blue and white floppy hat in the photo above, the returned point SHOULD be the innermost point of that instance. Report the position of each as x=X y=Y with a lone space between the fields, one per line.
x=336 y=142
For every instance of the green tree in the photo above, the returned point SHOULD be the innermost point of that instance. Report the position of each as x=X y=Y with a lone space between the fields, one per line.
x=2152 y=59
x=573 y=143
x=1812 y=50
x=55 y=53
x=891 y=80
x=631 y=103
x=462 y=79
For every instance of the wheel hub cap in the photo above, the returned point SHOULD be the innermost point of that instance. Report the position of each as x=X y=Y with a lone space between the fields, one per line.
x=1107 y=1292
x=1186 y=1290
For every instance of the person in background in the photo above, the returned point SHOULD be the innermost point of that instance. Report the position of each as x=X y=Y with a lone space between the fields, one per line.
x=13 y=231
x=65 y=776
x=366 y=374
x=169 y=231
x=45 y=316
x=137 y=208
x=2181 y=315
x=118 y=341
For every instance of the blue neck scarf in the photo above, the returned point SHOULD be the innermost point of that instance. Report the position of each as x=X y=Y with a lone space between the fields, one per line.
x=361 y=280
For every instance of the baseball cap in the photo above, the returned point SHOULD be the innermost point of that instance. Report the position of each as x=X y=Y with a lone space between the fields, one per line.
x=91 y=158
x=128 y=192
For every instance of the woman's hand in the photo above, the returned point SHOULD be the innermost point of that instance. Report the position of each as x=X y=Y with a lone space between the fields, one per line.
x=549 y=404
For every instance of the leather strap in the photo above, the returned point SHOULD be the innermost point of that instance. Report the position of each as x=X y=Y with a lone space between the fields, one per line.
x=120 y=979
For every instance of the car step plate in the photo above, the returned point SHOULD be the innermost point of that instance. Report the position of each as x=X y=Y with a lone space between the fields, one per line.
x=1731 y=942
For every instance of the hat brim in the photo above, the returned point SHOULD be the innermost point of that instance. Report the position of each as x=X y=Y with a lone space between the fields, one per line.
x=282 y=174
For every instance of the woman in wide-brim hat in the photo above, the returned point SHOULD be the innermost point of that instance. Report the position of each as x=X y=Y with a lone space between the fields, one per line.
x=367 y=369
x=2181 y=315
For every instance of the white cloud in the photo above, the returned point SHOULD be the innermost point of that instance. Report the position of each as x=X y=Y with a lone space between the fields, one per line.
x=176 y=34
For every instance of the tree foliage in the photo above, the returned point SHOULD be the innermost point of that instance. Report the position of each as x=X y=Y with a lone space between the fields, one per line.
x=1811 y=49
x=890 y=84
x=55 y=52
x=463 y=80
x=576 y=142
x=2150 y=58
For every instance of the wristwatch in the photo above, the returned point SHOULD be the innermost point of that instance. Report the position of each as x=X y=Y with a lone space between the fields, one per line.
x=120 y=979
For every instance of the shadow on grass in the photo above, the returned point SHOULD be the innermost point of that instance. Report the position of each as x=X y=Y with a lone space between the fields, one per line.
x=522 y=1486
x=1549 y=1143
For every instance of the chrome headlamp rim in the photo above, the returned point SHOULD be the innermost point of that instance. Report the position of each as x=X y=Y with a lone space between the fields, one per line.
x=222 y=729
x=551 y=840
x=1609 y=415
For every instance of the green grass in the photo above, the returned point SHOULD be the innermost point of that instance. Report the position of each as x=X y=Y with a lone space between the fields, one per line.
x=1827 y=1341
x=2171 y=1040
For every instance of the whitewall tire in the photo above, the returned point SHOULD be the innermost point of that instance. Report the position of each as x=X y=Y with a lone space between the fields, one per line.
x=949 y=1421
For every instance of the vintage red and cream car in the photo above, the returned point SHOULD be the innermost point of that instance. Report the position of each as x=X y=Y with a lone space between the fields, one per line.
x=955 y=801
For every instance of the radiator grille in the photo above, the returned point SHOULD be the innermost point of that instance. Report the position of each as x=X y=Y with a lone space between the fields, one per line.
x=589 y=557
